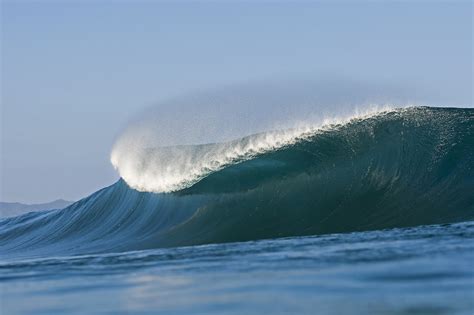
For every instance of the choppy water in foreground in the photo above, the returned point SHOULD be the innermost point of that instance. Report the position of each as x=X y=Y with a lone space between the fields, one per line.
x=420 y=270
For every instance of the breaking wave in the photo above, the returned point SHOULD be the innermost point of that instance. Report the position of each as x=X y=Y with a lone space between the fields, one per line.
x=396 y=168
x=172 y=168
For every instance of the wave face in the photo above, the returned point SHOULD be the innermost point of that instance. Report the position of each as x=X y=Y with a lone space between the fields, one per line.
x=401 y=168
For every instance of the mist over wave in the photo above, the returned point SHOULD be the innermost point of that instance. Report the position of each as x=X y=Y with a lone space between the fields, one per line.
x=175 y=144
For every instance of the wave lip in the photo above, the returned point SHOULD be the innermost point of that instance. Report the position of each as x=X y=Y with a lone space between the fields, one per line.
x=169 y=169
x=172 y=168
x=397 y=169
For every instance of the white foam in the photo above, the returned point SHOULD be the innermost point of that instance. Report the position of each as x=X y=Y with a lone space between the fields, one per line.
x=148 y=167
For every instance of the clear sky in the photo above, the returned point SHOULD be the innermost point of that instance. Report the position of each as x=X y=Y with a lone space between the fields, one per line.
x=74 y=72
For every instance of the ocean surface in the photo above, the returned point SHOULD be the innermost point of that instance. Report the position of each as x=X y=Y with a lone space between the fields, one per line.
x=374 y=215
x=420 y=270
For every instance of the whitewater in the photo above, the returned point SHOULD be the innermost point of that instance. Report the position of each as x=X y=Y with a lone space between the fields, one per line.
x=172 y=168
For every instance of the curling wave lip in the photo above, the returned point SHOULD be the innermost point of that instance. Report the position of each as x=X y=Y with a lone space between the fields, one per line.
x=172 y=168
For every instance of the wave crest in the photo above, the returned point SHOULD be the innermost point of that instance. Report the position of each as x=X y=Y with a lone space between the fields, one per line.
x=173 y=168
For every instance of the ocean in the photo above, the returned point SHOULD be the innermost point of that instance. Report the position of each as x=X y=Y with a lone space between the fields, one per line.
x=371 y=216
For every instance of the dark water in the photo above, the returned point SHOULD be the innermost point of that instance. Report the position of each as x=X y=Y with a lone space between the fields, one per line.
x=421 y=270
x=373 y=216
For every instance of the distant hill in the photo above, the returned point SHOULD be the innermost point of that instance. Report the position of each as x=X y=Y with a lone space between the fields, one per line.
x=11 y=209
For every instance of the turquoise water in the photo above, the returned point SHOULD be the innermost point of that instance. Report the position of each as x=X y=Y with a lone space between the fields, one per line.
x=373 y=216
x=421 y=270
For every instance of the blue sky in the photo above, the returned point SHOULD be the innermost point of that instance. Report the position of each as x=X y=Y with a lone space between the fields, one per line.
x=73 y=73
